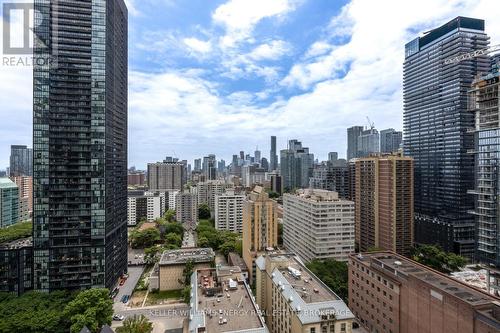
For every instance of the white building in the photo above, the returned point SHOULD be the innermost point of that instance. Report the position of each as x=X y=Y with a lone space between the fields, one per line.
x=229 y=211
x=142 y=206
x=318 y=225
x=186 y=208
x=207 y=191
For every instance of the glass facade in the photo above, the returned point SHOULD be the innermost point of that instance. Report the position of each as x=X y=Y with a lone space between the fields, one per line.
x=436 y=131
x=80 y=144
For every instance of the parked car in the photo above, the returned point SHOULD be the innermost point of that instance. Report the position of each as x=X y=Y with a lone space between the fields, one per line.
x=118 y=317
x=122 y=282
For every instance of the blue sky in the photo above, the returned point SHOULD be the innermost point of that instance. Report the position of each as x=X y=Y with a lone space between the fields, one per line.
x=222 y=76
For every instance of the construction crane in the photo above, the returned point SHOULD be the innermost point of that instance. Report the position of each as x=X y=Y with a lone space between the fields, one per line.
x=473 y=54
x=371 y=123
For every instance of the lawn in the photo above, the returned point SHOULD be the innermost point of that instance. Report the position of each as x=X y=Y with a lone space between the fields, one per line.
x=160 y=297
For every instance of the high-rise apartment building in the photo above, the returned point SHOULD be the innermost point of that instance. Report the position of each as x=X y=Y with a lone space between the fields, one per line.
x=368 y=142
x=25 y=186
x=257 y=155
x=273 y=157
x=328 y=176
x=144 y=207
x=80 y=144
x=229 y=211
x=390 y=140
x=276 y=183
x=384 y=203
x=9 y=202
x=483 y=101
x=329 y=222
x=391 y=293
x=260 y=226
x=294 y=300
x=197 y=164
x=186 y=208
x=333 y=156
x=208 y=190
x=21 y=161
x=353 y=134
x=136 y=178
x=166 y=176
x=296 y=166
x=436 y=123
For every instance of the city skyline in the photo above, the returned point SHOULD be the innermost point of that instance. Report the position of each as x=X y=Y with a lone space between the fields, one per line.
x=211 y=103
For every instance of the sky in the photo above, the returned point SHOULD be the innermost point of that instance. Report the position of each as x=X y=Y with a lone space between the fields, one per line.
x=223 y=76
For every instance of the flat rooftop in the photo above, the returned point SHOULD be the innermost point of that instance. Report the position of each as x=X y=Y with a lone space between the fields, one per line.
x=223 y=308
x=181 y=256
x=17 y=244
x=393 y=264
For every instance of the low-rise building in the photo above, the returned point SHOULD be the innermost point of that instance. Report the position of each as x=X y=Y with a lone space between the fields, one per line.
x=173 y=262
x=391 y=293
x=328 y=220
x=294 y=300
x=221 y=301
x=16 y=266
x=229 y=211
x=234 y=259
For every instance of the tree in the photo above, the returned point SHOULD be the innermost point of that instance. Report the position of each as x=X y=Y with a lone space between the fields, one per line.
x=174 y=227
x=188 y=271
x=136 y=324
x=173 y=240
x=273 y=195
x=144 y=238
x=203 y=211
x=92 y=308
x=186 y=294
x=434 y=257
x=169 y=215
x=333 y=273
x=280 y=233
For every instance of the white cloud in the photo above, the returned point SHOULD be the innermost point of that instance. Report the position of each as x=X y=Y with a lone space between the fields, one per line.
x=239 y=17
x=270 y=51
x=198 y=45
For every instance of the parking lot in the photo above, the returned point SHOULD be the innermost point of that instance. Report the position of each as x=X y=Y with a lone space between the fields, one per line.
x=127 y=288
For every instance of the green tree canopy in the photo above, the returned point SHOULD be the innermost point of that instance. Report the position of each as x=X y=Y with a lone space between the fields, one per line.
x=203 y=211
x=140 y=239
x=434 y=257
x=92 y=308
x=136 y=324
x=333 y=273
x=173 y=240
x=169 y=215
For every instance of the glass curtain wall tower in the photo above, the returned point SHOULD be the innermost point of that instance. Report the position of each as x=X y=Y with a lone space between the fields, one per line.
x=80 y=144
x=437 y=131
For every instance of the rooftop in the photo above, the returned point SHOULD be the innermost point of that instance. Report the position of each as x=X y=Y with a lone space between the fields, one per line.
x=17 y=244
x=397 y=265
x=223 y=302
x=316 y=195
x=181 y=256
x=5 y=182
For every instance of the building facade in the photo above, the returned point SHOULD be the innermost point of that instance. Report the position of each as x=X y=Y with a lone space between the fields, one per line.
x=328 y=176
x=294 y=300
x=436 y=127
x=21 y=161
x=144 y=207
x=260 y=226
x=16 y=266
x=353 y=134
x=166 y=176
x=384 y=203
x=368 y=142
x=25 y=186
x=80 y=144
x=296 y=164
x=207 y=192
x=390 y=140
x=229 y=211
x=483 y=102
x=273 y=157
x=186 y=208
x=329 y=222
x=9 y=203
x=391 y=293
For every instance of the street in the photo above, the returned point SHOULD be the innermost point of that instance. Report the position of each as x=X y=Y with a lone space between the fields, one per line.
x=134 y=274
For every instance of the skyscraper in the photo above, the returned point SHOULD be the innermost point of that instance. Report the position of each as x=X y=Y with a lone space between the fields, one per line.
x=484 y=102
x=197 y=164
x=21 y=161
x=368 y=142
x=258 y=156
x=80 y=144
x=353 y=134
x=9 y=202
x=209 y=167
x=296 y=165
x=390 y=140
x=436 y=123
x=166 y=176
x=273 y=158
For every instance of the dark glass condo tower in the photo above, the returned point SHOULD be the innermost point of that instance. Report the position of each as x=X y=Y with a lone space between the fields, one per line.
x=80 y=144
x=437 y=131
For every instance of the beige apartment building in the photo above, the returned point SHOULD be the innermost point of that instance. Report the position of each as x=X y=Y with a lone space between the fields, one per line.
x=207 y=192
x=260 y=226
x=173 y=262
x=384 y=203
x=390 y=293
x=294 y=300
x=329 y=222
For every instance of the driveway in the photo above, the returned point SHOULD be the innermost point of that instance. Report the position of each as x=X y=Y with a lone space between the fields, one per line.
x=134 y=274
x=163 y=317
